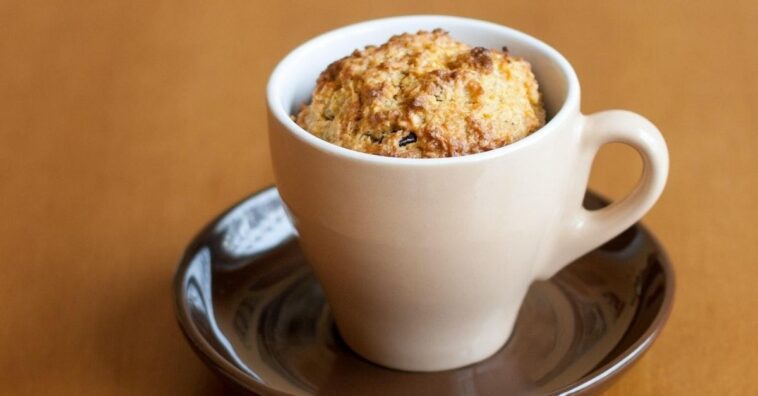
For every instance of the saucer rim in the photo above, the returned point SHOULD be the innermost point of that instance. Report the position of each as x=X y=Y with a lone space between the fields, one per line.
x=595 y=380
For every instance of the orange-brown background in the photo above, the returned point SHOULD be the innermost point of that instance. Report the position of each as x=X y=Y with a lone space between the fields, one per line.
x=125 y=126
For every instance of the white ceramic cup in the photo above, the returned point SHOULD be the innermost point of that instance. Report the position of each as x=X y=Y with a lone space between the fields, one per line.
x=425 y=262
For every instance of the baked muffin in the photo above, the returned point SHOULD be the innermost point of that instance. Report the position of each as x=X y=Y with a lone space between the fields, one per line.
x=424 y=95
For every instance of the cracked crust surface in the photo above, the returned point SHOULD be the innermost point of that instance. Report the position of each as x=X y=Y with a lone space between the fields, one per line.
x=424 y=95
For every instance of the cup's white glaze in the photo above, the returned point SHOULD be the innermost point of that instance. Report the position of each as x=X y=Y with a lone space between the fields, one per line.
x=425 y=262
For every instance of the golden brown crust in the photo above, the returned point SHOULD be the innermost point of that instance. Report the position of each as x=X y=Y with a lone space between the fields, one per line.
x=424 y=95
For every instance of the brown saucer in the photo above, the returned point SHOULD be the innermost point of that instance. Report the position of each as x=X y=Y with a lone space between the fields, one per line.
x=251 y=308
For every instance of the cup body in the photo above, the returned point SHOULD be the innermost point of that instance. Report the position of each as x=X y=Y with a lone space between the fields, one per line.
x=425 y=262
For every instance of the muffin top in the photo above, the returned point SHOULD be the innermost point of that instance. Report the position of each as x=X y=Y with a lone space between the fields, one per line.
x=424 y=95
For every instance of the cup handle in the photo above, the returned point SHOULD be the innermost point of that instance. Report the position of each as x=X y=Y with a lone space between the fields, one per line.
x=581 y=230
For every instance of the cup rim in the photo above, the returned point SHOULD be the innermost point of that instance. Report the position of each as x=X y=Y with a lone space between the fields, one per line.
x=276 y=108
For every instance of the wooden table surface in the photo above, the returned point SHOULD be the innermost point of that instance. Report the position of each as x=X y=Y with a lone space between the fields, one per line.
x=125 y=126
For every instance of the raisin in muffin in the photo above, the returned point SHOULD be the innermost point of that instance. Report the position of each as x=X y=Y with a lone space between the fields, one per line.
x=424 y=95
